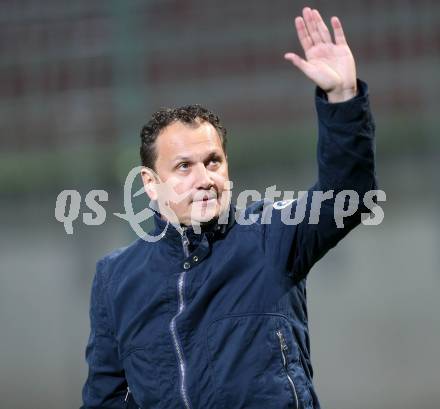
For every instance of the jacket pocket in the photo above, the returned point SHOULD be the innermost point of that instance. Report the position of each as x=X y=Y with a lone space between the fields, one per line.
x=247 y=364
x=283 y=350
x=140 y=372
x=297 y=377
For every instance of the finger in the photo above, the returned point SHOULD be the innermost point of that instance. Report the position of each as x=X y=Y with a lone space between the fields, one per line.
x=338 y=31
x=311 y=25
x=299 y=62
x=322 y=27
x=303 y=34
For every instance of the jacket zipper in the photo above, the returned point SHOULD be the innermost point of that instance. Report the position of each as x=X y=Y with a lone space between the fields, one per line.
x=128 y=393
x=173 y=329
x=284 y=349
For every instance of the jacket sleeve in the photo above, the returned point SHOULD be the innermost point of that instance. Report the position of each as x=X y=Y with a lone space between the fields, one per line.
x=105 y=386
x=346 y=171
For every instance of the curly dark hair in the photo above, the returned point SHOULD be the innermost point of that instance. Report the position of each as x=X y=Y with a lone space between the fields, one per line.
x=188 y=114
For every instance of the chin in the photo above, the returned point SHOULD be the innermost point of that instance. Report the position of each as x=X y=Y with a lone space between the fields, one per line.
x=205 y=218
x=204 y=215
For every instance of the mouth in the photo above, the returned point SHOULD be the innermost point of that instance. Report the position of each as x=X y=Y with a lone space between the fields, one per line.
x=206 y=199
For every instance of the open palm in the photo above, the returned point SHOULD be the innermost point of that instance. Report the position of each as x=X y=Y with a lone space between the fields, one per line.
x=329 y=64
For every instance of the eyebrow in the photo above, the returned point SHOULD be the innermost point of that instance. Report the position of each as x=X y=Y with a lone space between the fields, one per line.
x=179 y=158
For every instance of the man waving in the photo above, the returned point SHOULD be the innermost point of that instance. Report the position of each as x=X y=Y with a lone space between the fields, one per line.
x=216 y=316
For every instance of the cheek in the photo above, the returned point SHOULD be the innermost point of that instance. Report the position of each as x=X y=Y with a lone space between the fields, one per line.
x=175 y=185
x=221 y=179
x=181 y=192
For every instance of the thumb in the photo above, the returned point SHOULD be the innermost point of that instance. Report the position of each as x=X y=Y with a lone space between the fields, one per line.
x=299 y=62
x=319 y=75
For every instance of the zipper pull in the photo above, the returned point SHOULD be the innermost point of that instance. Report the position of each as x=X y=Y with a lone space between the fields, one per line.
x=184 y=237
x=185 y=242
x=128 y=393
x=283 y=343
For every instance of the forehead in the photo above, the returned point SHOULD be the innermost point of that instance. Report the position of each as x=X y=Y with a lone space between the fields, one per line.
x=184 y=139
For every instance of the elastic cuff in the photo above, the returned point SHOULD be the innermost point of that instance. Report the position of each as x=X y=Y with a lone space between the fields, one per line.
x=342 y=111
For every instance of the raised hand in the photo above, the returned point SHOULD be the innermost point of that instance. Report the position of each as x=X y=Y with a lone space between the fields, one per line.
x=329 y=64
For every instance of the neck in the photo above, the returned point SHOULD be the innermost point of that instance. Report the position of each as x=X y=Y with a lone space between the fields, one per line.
x=203 y=225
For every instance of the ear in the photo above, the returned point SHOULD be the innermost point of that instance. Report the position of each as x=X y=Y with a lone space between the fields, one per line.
x=149 y=179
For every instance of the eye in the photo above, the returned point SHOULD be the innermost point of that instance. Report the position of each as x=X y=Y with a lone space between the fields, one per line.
x=183 y=166
x=214 y=161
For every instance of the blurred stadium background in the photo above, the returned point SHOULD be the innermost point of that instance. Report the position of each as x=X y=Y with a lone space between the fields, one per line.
x=78 y=80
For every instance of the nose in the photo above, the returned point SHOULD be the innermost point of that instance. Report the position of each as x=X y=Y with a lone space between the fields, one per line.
x=203 y=178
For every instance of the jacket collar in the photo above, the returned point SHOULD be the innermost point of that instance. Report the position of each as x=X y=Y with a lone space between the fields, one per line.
x=214 y=229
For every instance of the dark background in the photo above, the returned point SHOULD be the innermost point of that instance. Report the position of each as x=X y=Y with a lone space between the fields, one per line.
x=77 y=81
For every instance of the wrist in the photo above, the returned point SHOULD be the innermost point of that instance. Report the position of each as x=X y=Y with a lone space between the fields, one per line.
x=342 y=95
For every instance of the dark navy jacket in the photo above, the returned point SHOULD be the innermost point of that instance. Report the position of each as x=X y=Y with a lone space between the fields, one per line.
x=218 y=320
